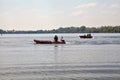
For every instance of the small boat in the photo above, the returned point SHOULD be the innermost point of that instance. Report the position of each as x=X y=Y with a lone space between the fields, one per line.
x=48 y=42
x=86 y=36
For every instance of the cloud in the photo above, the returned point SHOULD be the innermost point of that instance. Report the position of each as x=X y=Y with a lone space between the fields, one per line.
x=86 y=5
x=115 y=6
x=76 y=13
x=20 y=19
x=79 y=9
x=31 y=19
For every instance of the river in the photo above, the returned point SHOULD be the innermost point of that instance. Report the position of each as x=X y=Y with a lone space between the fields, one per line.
x=79 y=59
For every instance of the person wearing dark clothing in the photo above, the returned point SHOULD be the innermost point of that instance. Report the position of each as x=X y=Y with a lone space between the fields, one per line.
x=56 y=38
x=62 y=39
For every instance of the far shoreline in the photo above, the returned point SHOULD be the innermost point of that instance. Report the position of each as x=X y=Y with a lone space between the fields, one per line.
x=82 y=29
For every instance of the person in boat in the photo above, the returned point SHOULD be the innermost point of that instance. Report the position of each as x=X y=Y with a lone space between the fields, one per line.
x=56 y=38
x=62 y=39
x=88 y=35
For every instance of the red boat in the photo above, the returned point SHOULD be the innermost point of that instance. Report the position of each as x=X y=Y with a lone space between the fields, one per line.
x=48 y=42
x=86 y=36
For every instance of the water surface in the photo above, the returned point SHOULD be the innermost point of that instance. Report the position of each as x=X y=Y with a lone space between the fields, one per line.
x=78 y=59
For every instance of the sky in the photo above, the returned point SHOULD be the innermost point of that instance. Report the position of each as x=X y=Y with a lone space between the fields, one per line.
x=52 y=14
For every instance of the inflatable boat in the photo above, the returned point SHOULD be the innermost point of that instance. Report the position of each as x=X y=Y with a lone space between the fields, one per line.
x=48 y=42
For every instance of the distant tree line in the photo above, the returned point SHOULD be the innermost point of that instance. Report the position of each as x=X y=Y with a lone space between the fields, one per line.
x=82 y=29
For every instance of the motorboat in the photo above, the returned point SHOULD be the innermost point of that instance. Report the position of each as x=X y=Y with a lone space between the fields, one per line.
x=48 y=42
x=86 y=36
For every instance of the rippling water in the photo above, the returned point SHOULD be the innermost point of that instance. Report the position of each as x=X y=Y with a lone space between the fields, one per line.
x=78 y=59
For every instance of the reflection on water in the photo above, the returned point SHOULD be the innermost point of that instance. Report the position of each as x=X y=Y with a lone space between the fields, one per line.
x=79 y=59
x=56 y=53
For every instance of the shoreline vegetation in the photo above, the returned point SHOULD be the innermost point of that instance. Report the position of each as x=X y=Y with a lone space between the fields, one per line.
x=82 y=29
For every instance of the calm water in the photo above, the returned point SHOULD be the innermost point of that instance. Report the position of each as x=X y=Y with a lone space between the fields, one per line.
x=78 y=59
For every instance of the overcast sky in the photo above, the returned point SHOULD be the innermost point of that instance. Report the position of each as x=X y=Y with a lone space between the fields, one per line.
x=52 y=14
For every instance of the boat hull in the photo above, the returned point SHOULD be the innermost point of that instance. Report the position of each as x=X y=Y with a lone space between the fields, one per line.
x=86 y=37
x=48 y=42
